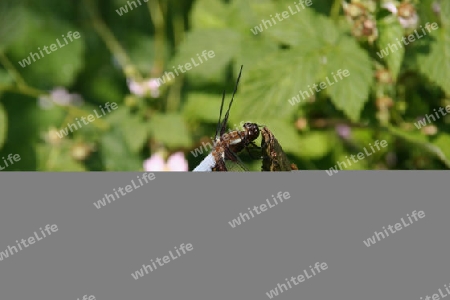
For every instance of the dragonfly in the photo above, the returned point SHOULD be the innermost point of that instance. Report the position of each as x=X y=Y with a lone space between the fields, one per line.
x=228 y=144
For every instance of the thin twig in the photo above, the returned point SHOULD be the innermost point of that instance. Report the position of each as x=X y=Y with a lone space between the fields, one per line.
x=111 y=42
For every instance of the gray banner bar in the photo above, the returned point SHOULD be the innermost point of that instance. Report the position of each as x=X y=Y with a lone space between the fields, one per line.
x=301 y=235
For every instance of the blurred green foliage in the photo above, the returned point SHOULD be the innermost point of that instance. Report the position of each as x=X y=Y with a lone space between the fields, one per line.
x=120 y=55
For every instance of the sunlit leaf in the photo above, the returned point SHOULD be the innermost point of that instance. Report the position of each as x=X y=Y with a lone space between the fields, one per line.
x=301 y=27
x=315 y=145
x=116 y=154
x=47 y=67
x=286 y=79
x=209 y=14
x=207 y=51
x=135 y=133
x=5 y=78
x=349 y=94
x=204 y=107
x=11 y=21
x=266 y=88
x=435 y=64
x=391 y=31
x=57 y=159
x=170 y=130
x=443 y=142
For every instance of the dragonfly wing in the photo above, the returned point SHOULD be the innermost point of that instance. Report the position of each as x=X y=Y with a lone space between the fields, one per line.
x=233 y=166
x=233 y=162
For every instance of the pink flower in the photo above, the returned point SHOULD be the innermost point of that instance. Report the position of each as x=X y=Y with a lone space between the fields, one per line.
x=436 y=7
x=136 y=88
x=175 y=163
x=148 y=86
x=59 y=96
x=343 y=131
x=153 y=87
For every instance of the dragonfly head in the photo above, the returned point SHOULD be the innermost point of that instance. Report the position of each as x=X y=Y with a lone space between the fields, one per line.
x=251 y=131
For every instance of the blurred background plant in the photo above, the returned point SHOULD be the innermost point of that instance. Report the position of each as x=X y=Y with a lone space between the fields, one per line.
x=124 y=48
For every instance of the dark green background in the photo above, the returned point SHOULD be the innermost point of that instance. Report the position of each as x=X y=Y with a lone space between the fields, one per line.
x=283 y=59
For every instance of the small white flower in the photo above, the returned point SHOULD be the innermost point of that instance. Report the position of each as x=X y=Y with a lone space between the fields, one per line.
x=136 y=88
x=406 y=22
x=409 y=23
x=59 y=96
x=390 y=6
x=148 y=86
x=45 y=102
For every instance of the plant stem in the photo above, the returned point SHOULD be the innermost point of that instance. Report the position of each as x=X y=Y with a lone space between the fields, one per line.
x=111 y=42
x=11 y=69
x=335 y=10
x=23 y=89
x=174 y=95
x=156 y=11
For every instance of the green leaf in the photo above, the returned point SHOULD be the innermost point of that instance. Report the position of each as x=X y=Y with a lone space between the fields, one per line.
x=56 y=159
x=443 y=143
x=209 y=14
x=246 y=52
x=138 y=45
x=3 y=125
x=104 y=89
x=248 y=17
x=315 y=145
x=436 y=64
x=58 y=67
x=391 y=30
x=116 y=154
x=349 y=94
x=284 y=79
x=301 y=27
x=170 y=130
x=410 y=136
x=5 y=78
x=422 y=141
x=117 y=149
x=204 y=107
x=362 y=136
x=11 y=21
x=267 y=87
x=425 y=9
x=223 y=42
x=54 y=117
x=270 y=88
x=135 y=133
x=445 y=14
